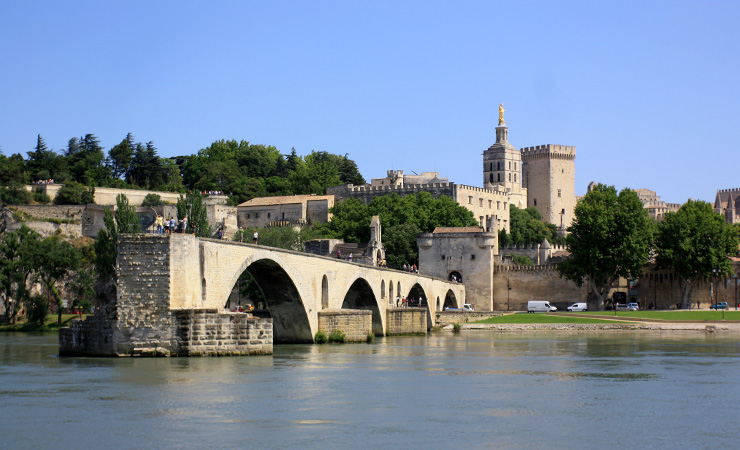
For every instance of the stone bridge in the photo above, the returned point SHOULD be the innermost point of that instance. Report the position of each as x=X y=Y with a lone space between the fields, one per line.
x=296 y=286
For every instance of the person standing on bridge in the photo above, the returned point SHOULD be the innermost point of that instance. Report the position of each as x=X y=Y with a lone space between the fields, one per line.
x=255 y=237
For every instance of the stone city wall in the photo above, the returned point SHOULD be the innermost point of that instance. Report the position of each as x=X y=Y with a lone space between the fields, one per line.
x=450 y=317
x=356 y=324
x=206 y=332
x=71 y=213
x=533 y=283
x=665 y=289
x=406 y=321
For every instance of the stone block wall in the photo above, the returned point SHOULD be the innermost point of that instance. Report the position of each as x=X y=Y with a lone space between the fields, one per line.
x=205 y=332
x=143 y=303
x=406 y=321
x=355 y=323
x=71 y=213
x=533 y=283
x=93 y=336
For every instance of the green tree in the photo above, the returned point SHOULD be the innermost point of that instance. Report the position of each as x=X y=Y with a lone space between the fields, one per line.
x=44 y=164
x=402 y=219
x=17 y=265
x=610 y=237
x=152 y=200
x=14 y=194
x=12 y=170
x=73 y=193
x=54 y=260
x=120 y=157
x=192 y=207
x=695 y=242
x=527 y=227
x=127 y=221
x=106 y=247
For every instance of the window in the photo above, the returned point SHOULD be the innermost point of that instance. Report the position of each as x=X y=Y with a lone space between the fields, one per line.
x=490 y=177
x=499 y=177
x=268 y=215
x=480 y=220
x=498 y=205
x=490 y=204
x=256 y=215
x=509 y=165
x=443 y=257
x=514 y=166
x=472 y=256
x=470 y=199
x=504 y=205
x=559 y=193
x=498 y=166
x=514 y=177
x=535 y=202
x=490 y=167
x=509 y=176
x=247 y=216
x=480 y=200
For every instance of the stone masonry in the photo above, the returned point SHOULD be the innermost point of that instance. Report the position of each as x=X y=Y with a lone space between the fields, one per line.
x=406 y=321
x=201 y=332
x=356 y=324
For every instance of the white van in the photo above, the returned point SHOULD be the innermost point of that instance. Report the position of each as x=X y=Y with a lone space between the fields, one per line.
x=467 y=307
x=577 y=307
x=539 y=306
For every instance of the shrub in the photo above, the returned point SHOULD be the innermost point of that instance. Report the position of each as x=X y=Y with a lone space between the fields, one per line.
x=370 y=337
x=38 y=308
x=321 y=338
x=41 y=197
x=74 y=193
x=152 y=200
x=337 y=337
x=523 y=260
x=15 y=194
x=456 y=327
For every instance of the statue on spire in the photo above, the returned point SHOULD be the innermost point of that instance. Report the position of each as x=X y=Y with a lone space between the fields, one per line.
x=501 y=114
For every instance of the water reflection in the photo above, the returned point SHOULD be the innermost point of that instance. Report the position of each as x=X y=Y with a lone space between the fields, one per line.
x=478 y=389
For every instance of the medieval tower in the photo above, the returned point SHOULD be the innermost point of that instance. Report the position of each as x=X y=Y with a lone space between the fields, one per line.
x=502 y=166
x=549 y=176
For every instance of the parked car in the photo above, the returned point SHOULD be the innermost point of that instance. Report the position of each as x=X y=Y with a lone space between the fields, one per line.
x=467 y=307
x=633 y=307
x=577 y=307
x=720 y=305
x=621 y=307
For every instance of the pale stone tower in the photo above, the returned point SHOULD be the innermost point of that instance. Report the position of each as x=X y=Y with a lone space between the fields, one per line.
x=502 y=167
x=549 y=176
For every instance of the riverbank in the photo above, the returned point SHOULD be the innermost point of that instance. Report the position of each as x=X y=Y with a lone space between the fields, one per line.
x=50 y=325
x=731 y=327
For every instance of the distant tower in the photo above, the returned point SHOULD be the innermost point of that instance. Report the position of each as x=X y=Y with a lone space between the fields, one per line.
x=502 y=163
x=549 y=177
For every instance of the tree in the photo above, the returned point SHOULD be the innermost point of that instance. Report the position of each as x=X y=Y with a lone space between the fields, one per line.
x=17 y=257
x=54 y=260
x=610 y=237
x=192 y=207
x=12 y=170
x=696 y=242
x=152 y=200
x=527 y=227
x=402 y=219
x=43 y=164
x=120 y=157
x=126 y=219
x=14 y=194
x=73 y=193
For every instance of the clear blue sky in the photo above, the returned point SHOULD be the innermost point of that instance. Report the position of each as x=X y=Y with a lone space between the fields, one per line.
x=647 y=91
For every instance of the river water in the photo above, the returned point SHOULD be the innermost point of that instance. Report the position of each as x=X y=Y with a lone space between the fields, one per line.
x=503 y=390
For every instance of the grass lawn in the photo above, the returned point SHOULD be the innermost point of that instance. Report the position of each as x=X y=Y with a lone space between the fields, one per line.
x=542 y=318
x=50 y=325
x=680 y=315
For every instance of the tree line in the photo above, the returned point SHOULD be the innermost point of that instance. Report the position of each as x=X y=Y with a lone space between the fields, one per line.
x=237 y=168
x=612 y=237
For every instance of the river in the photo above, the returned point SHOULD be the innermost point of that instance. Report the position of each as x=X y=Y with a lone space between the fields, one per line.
x=479 y=389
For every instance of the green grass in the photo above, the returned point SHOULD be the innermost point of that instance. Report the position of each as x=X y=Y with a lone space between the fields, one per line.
x=50 y=325
x=542 y=318
x=681 y=315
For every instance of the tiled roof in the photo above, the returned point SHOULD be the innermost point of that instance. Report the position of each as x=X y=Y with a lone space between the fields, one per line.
x=284 y=200
x=458 y=230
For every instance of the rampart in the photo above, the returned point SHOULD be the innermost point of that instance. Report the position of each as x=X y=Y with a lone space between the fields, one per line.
x=107 y=196
x=514 y=286
x=366 y=192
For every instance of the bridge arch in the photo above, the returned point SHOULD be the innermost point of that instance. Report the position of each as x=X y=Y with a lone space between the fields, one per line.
x=450 y=300
x=282 y=297
x=361 y=296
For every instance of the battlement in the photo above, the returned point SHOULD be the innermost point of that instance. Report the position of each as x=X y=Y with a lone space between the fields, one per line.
x=733 y=190
x=550 y=151
x=465 y=187
x=548 y=268
x=406 y=187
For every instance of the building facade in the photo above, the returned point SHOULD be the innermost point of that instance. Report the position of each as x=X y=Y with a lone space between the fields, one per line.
x=297 y=210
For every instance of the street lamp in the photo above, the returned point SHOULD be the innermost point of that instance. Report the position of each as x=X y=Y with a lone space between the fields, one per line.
x=508 y=294
x=734 y=277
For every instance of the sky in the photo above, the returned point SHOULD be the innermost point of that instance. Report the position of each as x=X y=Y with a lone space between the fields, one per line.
x=647 y=91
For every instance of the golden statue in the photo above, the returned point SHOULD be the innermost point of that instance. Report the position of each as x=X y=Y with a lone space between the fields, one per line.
x=501 y=114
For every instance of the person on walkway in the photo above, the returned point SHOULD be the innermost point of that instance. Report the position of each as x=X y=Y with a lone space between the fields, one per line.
x=241 y=234
x=160 y=224
x=185 y=224
x=255 y=237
